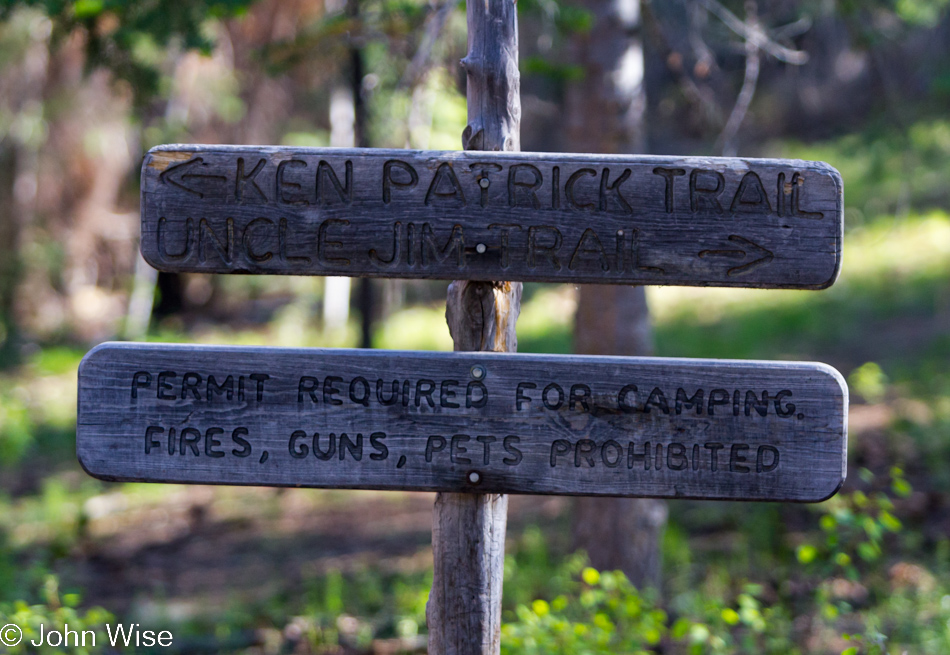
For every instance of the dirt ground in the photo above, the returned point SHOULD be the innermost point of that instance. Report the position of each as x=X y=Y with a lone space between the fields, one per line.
x=195 y=549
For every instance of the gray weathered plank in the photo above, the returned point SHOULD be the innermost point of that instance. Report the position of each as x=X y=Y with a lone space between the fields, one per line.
x=756 y=430
x=617 y=219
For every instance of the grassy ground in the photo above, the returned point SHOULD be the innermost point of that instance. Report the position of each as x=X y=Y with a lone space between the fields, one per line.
x=271 y=571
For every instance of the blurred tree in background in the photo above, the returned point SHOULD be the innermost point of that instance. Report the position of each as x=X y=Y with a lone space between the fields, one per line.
x=604 y=112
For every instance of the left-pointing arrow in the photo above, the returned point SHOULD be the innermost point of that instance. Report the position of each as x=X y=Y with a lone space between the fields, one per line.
x=178 y=174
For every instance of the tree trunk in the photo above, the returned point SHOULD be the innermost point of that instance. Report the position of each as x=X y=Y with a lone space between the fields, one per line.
x=336 y=289
x=468 y=530
x=365 y=295
x=9 y=257
x=605 y=113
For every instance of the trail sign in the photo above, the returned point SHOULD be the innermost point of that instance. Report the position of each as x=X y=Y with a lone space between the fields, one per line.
x=486 y=422
x=477 y=422
x=691 y=221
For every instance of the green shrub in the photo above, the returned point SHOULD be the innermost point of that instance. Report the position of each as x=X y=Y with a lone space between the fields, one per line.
x=609 y=616
x=56 y=611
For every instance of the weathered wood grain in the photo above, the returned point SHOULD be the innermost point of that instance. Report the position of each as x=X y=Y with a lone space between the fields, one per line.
x=463 y=612
x=716 y=429
x=616 y=219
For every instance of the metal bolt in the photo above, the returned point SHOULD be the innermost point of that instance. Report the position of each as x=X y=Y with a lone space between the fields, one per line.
x=484 y=182
x=481 y=248
x=474 y=477
x=478 y=372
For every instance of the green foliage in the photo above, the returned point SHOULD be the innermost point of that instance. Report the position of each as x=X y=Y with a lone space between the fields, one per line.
x=129 y=38
x=16 y=428
x=608 y=616
x=37 y=410
x=558 y=20
x=871 y=643
x=533 y=571
x=874 y=21
x=854 y=526
x=868 y=162
x=869 y=381
x=891 y=269
x=602 y=613
x=535 y=65
x=56 y=360
x=57 y=610
x=561 y=15
x=396 y=603
x=926 y=13
x=747 y=626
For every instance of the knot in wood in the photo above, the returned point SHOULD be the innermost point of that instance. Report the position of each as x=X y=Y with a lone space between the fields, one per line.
x=473 y=137
x=472 y=64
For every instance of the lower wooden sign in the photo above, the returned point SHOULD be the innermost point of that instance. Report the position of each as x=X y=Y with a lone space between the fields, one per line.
x=477 y=422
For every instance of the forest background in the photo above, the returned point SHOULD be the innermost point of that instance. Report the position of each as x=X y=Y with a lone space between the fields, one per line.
x=87 y=86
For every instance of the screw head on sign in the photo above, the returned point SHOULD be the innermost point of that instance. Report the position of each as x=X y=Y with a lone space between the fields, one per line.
x=481 y=248
x=478 y=372
x=474 y=477
x=484 y=182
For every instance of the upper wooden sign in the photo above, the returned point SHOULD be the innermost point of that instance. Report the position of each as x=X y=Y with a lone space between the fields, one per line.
x=505 y=423
x=492 y=216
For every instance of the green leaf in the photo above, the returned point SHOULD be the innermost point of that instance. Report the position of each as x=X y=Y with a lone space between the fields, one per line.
x=87 y=8
x=699 y=633
x=680 y=628
x=889 y=521
x=575 y=19
x=806 y=553
x=842 y=559
x=591 y=576
x=869 y=381
x=868 y=551
x=901 y=488
x=730 y=616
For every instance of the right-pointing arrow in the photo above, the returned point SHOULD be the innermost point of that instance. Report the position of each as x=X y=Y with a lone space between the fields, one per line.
x=751 y=249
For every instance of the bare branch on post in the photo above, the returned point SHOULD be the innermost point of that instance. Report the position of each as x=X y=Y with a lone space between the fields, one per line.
x=468 y=530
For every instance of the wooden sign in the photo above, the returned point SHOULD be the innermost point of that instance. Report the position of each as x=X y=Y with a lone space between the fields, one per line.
x=492 y=216
x=473 y=422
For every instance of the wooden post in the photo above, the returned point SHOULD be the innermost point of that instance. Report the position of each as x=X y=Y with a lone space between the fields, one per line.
x=468 y=530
